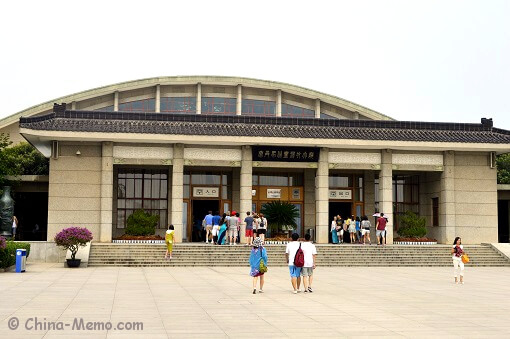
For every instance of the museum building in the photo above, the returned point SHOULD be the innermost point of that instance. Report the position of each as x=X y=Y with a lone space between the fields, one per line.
x=180 y=146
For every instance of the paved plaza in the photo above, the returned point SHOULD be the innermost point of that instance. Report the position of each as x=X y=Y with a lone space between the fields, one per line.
x=217 y=302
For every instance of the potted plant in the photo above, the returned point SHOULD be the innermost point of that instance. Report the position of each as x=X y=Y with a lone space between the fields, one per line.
x=412 y=230
x=281 y=217
x=71 y=239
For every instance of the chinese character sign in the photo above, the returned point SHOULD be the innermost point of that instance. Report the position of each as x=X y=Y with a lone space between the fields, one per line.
x=287 y=154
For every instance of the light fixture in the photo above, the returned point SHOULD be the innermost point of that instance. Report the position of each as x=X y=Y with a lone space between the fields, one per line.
x=78 y=152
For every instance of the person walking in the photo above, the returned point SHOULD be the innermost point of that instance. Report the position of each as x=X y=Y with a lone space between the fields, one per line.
x=290 y=253
x=334 y=235
x=358 y=229
x=169 y=240
x=310 y=253
x=380 y=228
x=457 y=252
x=233 y=225
x=249 y=228
x=208 y=220
x=365 y=230
x=258 y=264
x=14 y=226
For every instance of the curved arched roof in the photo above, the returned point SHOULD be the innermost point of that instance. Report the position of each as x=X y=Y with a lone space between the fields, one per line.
x=193 y=80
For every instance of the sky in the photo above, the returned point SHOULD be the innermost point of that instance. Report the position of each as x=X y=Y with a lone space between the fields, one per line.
x=412 y=60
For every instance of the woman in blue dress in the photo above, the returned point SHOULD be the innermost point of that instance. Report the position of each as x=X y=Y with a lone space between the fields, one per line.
x=258 y=256
x=223 y=230
x=334 y=235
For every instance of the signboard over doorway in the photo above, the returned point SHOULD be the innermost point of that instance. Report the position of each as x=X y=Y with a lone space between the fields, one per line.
x=340 y=194
x=206 y=192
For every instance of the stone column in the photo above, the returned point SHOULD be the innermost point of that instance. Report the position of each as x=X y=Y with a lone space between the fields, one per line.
x=355 y=115
x=116 y=101
x=199 y=98
x=322 y=198
x=369 y=198
x=245 y=187
x=317 y=108
x=386 y=192
x=177 y=190
x=447 y=199
x=279 y=103
x=106 y=192
x=239 y=103
x=158 y=98
x=309 y=199
x=73 y=105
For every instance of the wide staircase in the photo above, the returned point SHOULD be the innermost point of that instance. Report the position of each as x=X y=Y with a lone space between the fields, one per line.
x=152 y=255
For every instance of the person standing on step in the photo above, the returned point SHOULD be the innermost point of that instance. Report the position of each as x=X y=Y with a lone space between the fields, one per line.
x=169 y=241
x=249 y=228
x=14 y=226
x=222 y=233
x=380 y=229
x=216 y=226
x=457 y=252
x=233 y=225
x=334 y=235
x=258 y=264
x=262 y=227
x=208 y=220
x=307 y=271
x=365 y=230
x=290 y=253
x=351 y=223
x=340 y=228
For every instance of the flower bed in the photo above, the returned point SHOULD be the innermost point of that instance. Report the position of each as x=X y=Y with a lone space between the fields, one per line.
x=414 y=241
x=139 y=239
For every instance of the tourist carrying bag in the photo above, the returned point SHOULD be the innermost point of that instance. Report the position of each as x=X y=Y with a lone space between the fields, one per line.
x=464 y=258
x=262 y=266
x=299 y=258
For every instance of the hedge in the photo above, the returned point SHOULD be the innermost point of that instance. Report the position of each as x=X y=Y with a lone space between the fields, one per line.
x=8 y=255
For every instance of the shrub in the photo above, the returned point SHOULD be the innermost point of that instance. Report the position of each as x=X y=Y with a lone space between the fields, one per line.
x=141 y=223
x=412 y=225
x=280 y=215
x=72 y=238
x=8 y=254
x=2 y=243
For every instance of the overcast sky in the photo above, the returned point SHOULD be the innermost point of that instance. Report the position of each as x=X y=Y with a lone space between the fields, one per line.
x=411 y=60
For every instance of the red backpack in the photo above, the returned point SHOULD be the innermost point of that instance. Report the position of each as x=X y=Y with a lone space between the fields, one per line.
x=299 y=258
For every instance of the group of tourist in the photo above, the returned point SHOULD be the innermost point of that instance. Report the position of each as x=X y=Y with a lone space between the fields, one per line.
x=357 y=230
x=300 y=258
x=226 y=229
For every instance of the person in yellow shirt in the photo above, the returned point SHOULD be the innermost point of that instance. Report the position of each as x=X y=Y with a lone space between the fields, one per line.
x=169 y=240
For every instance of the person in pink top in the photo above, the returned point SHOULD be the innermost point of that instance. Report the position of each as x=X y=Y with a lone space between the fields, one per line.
x=380 y=229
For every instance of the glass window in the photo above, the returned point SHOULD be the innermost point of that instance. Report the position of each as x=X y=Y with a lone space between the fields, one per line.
x=184 y=220
x=298 y=218
x=205 y=179
x=146 y=105
x=338 y=180
x=405 y=195
x=179 y=105
x=144 y=189
x=274 y=180
x=296 y=112
x=258 y=108
x=327 y=116
x=105 y=109
x=225 y=106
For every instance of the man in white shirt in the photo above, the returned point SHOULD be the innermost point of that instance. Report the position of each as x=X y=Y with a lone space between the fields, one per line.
x=310 y=253
x=290 y=253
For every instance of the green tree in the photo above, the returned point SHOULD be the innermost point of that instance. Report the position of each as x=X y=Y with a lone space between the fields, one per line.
x=141 y=223
x=503 y=165
x=412 y=225
x=280 y=215
x=4 y=166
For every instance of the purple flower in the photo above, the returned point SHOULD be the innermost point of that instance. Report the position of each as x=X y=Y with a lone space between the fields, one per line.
x=72 y=238
x=3 y=244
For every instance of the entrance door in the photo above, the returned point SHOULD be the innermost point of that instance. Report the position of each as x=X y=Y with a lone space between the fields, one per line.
x=200 y=208
x=344 y=209
x=503 y=221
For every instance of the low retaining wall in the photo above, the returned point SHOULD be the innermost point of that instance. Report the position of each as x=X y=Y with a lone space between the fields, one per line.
x=47 y=251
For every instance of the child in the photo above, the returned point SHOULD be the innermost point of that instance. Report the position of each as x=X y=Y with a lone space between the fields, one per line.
x=169 y=240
